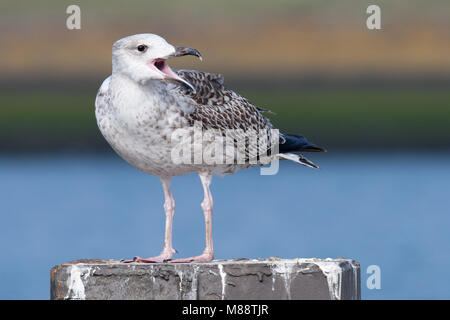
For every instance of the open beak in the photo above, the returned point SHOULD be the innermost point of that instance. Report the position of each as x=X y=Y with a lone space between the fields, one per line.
x=185 y=51
x=161 y=65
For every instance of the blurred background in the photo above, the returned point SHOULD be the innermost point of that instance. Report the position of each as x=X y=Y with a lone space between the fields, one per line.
x=378 y=100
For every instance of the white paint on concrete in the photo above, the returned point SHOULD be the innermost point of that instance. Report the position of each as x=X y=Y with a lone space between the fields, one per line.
x=284 y=268
x=180 y=275
x=223 y=278
x=333 y=272
x=75 y=285
x=355 y=280
x=192 y=294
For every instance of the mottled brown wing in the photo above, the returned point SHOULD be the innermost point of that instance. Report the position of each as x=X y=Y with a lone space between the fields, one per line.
x=229 y=114
x=220 y=108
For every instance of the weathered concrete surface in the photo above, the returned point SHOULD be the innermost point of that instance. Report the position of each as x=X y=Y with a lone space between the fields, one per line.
x=221 y=279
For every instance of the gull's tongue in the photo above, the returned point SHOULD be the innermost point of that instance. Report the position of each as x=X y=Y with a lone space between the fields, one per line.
x=173 y=76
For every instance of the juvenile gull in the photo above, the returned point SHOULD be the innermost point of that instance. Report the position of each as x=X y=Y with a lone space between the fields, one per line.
x=143 y=103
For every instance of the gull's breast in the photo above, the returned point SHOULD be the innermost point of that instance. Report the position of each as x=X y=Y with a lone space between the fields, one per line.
x=140 y=128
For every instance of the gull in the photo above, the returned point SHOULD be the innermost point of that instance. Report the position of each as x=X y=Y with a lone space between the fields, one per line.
x=143 y=103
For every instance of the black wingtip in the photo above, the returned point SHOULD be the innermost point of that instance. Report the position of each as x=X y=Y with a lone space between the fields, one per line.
x=315 y=149
x=296 y=142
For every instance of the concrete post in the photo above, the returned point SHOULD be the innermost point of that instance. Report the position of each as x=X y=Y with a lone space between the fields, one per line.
x=221 y=279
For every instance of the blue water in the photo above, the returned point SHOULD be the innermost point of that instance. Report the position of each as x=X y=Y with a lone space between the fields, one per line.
x=379 y=209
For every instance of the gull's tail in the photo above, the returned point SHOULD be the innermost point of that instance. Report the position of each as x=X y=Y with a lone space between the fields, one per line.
x=292 y=144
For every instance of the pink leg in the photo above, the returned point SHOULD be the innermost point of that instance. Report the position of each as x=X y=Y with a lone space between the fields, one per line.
x=169 y=208
x=207 y=206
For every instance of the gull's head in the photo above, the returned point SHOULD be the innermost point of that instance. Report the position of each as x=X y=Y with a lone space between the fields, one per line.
x=142 y=57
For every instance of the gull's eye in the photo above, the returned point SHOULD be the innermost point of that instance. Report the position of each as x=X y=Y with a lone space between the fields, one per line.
x=142 y=48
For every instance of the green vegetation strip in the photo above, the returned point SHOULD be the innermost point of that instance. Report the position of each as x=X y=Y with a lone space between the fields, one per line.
x=336 y=116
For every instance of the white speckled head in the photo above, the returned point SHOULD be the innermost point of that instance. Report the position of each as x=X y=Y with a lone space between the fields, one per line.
x=142 y=57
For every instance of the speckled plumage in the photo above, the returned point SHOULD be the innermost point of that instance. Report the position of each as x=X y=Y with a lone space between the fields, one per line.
x=140 y=127
x=220 y=108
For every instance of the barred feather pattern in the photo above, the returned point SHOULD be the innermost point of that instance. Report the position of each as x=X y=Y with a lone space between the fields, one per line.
x=218 y=108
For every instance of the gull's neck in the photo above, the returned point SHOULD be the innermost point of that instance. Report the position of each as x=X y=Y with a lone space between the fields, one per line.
x=121 y=82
